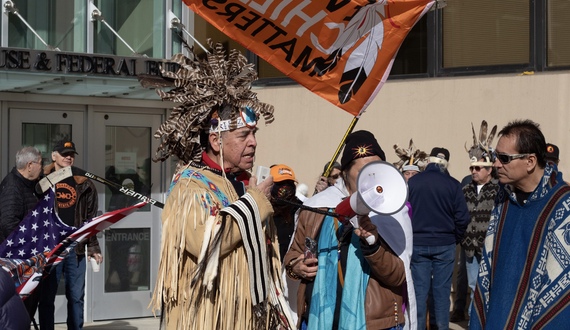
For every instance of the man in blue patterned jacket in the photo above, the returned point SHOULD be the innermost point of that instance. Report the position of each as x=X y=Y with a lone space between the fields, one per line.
x=524 y=274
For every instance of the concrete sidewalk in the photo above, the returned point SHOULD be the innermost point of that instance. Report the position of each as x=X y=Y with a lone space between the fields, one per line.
x=147 y=323
x=150 y=323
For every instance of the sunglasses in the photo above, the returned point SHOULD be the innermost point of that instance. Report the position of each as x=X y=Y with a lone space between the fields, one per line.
x=506 y=158
x=476 y=168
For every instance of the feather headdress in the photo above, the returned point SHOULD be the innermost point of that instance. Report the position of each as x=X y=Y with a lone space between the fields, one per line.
x=203 y=87
x=481 y=148
x=410 y=157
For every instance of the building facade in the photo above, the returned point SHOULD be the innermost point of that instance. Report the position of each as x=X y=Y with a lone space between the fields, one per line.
x=68 y=69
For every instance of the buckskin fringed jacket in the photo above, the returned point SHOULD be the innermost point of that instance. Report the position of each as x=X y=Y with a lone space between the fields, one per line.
x=208 y=277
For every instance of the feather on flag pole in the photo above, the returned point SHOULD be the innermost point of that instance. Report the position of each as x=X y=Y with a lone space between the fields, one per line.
x=42 y=240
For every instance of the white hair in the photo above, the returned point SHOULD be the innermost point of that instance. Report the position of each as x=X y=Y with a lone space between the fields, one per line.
x=26 y=155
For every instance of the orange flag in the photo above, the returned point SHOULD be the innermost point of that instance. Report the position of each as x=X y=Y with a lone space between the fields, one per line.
x=342 y=50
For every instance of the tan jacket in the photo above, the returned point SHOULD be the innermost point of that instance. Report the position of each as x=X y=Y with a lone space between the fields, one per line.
x=385 y=285
x=186 y=232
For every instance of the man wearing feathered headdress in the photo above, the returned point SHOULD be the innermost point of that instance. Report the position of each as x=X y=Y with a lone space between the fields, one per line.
x=219 y=265
x=480 y=196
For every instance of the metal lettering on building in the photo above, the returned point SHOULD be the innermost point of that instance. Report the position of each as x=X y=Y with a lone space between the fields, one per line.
x=23 y=60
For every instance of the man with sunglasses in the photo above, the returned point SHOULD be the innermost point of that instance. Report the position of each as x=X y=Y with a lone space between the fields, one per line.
x=480 y=198
x=523 y=277
x=76 y=203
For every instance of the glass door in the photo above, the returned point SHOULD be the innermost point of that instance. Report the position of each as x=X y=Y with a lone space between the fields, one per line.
x=42 y=129
x=125 y=145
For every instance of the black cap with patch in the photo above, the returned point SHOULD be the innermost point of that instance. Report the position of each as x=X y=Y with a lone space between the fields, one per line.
x=64 y=147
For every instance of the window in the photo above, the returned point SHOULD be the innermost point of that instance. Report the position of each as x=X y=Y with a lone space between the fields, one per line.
x=412 y=56
x=486 y=33
x=58 y=22
x=139 y=22
x=558 y=25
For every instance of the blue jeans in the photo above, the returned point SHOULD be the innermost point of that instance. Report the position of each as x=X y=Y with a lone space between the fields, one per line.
x=432 y=267
x=73 y=270
x=472 y=264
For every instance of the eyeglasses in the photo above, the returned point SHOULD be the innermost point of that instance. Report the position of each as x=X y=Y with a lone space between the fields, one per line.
x=476 y=168
x=68 y=154
x=506 y=158
x=39 y=163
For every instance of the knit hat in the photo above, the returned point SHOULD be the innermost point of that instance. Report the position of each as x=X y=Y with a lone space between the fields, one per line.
x=282 y=172
x=481 y=146
x=64 y=147
x=439 y=155
x=358 y=145
x=552 y=152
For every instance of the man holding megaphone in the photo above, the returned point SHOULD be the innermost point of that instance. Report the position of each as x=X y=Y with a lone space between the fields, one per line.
x=350 y=277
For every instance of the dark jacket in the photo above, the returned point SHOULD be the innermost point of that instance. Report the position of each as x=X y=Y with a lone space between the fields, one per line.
x=387 y=274
x=17 y=198
x=440 y=214
x=13 y=314
x=85 y=209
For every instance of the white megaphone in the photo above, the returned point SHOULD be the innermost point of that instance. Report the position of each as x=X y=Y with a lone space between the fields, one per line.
x=380 y=188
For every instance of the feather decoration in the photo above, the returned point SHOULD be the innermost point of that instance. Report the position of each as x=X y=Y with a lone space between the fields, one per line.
x=358 y=26
x=360 y=63
x=481 y=148
x=410 y=156
x=201 y=87
x=482 y=131
x=491 y=136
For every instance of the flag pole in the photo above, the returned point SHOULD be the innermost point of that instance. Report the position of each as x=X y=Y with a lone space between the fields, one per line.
x=341 y=144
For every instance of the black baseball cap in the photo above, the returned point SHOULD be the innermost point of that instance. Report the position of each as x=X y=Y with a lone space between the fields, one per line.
x=65 y=147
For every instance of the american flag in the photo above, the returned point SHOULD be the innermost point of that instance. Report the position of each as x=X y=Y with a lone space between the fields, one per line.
x=42 y=240
x=40 y=231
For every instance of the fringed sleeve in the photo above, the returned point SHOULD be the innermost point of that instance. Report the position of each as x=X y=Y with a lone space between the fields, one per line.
x=204 y=278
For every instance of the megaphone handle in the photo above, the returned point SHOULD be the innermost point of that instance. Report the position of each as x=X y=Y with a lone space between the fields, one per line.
x=354 y=222
x=370 y=239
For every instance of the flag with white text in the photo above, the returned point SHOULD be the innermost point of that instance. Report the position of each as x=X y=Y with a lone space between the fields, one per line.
x=342 y=50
